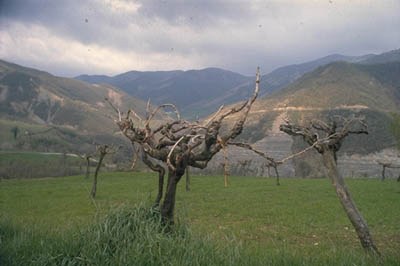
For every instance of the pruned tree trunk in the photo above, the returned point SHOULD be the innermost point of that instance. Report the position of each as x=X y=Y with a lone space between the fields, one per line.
x=187 y=180
x=277 y=176
x=161 y=173
x=390 y=165
x=326 y=139
x=226 y=167
x=354 y=215
x=168 y=206
x=94 y=185
x=383 y=172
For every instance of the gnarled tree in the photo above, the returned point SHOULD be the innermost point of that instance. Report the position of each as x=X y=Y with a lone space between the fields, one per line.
x=326 y=139
x=178 y=144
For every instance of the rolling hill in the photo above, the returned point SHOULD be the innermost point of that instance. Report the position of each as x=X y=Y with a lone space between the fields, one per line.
x=198 y=93
x=194 y=92
x=334 y=87
x=61 y=113
x=339 y=88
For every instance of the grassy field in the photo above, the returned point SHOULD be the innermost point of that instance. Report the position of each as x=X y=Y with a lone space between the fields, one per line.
x=302 y=219
x=19 y=164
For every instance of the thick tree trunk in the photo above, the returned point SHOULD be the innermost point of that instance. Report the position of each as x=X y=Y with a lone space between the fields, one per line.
x=161 y=172
x=187 y=179
x=383 y=172
x=168 y=206
x=349 y=206
x=94 y=186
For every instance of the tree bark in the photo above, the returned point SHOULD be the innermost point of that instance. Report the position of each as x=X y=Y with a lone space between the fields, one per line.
x=87 y=167
x=277 y=176
x=187 y=179
x=226 y=167
x=94 y=186
x=168 y=206
x=161 y=172
x=383 y=172
x=347 y=202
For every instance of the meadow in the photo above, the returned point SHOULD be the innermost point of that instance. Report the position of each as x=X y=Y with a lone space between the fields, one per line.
x=52 y=221
x=37 y=164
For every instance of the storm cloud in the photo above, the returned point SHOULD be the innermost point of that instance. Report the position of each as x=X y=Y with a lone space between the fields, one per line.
x=112 y=36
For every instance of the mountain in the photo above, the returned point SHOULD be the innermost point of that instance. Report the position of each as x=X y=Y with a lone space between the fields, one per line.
x=368 y=90
x=334 y=88
x=71 y=111
x=195 y=92
x=343 y=84
x=391 y=56
x=283 y=76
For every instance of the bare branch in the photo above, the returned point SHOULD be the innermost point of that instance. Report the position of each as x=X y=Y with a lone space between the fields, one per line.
x=135 y=156
x=163 y=106
x=134 y=113
x=170 y=153
x=282 y=161
x=249 y=147
x=208 y=121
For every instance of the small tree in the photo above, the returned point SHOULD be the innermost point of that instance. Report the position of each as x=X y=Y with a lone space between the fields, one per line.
x=388 y=165
x=86 y=158
x=326 y=139
x=15 y=132
x=269 y=161
x=179 y=144
x=102 y=150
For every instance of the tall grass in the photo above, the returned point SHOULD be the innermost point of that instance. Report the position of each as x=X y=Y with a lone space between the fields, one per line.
x=126 y=236
x=135 y=236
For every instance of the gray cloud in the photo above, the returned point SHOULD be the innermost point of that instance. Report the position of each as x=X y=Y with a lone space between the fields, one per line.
x=112 y=36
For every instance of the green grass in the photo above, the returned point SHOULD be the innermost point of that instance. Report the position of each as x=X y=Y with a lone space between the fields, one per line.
x=17 y=164
x=252 y=222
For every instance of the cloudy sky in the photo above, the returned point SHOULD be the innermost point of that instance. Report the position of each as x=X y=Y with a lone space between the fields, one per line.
x=72 y=37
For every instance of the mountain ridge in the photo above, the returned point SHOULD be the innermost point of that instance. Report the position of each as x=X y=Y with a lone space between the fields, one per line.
x=195 y=97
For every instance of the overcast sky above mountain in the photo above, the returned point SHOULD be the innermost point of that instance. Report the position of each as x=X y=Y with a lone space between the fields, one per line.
x=112 y=36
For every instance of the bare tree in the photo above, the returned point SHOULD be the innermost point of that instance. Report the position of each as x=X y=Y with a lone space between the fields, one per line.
x=177 y=144
x=102 y=150
x=326 y=139
x=269 y=161
x=388 y=165
x=15 y=132
x=86 y=158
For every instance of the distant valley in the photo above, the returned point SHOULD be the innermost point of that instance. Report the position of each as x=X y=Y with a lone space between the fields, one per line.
x=35 y=101
x=198 y=93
